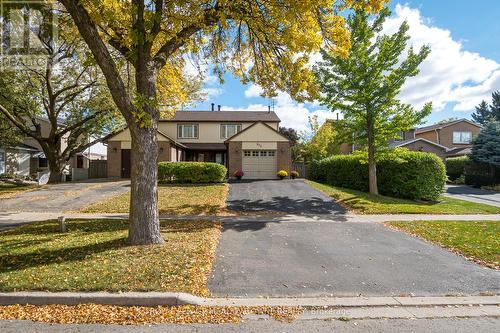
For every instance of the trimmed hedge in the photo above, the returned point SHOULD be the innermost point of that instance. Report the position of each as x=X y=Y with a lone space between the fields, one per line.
x=400 y=173
x=191 y=172
x=455 y=167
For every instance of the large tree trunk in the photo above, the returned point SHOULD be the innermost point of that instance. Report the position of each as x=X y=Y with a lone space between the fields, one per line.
x=372 y=164
x=144 y=220
x=56 y=168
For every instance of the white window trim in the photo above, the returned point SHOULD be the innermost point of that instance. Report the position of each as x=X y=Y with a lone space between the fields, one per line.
x=2 y=165
x=180 y=134
x=223 y=130
x=461 y=141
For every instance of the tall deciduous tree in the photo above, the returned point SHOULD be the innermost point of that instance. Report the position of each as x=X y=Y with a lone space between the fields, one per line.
x=365 y=86
x=488 y=112
x=274 y=37
x=68 y=92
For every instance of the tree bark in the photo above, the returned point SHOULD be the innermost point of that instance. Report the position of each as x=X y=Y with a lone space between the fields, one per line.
x=144 y=220
x=56 y=167
x=372 y=164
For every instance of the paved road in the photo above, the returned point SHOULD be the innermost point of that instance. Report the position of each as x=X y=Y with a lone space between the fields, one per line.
x=67 y=196
x=339 y=259
x=447 y=325
x=472 y=194
x=286 y=196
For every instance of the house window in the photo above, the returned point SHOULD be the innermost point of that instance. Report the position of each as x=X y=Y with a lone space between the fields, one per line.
x=42 y=162
x=2 y=162
x=462 y=137
x=228 y=130
x=187 y=131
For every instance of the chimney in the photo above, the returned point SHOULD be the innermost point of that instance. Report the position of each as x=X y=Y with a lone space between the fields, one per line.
x=218 y=107
x=213 y=106
x=269 y=108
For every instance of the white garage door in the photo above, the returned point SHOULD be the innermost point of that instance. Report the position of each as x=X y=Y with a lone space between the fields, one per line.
x=259 y=164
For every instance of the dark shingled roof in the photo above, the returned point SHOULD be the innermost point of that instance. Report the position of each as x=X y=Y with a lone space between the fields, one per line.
x=205 y=146
x=250 y=116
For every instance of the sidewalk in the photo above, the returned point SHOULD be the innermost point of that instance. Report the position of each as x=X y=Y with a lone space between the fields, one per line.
x=8 y=219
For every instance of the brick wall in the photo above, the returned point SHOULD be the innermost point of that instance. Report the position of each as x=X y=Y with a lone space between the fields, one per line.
x=235 y=157
x=426 y=147
x=284 y=156
x=114 y=159
x=164 y=151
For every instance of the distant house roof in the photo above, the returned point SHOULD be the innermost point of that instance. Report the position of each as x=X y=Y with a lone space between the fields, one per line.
x=22 y=146
x=218 y=116
x=460 y=151
x=407 y=142
x=443 y=125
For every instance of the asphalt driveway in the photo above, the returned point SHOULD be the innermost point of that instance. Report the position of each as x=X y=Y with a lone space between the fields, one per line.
x=307 y=259
x=68 y=196
x=472 y=194
x=285 y=196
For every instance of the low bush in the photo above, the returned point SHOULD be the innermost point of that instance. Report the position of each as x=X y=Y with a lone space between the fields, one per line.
x=400 y=173
x=481 y=174
x=455 y=167
x=191 y=172
x=8 y=175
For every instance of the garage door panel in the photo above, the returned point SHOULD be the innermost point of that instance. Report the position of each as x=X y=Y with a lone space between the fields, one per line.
x=259 y=164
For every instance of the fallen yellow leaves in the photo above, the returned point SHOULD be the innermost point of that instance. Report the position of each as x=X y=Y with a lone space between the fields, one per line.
x=140 y=315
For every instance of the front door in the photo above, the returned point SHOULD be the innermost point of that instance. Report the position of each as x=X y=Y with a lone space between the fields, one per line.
x=125 y=163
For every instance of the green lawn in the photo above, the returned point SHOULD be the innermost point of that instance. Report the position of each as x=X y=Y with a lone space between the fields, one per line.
x=196 y=199
x=8 y=190
x=93 y=255
x=365 y=203
x=476 y=240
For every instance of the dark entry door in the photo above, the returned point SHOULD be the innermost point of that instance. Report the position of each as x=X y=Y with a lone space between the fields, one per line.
x=125 y=163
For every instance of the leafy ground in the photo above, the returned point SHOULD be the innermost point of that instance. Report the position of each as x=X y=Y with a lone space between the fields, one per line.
x=8 y=190
x=365 y=203
x=197 y=199
x=476 y=240
x=93 y=255
x=141 y=315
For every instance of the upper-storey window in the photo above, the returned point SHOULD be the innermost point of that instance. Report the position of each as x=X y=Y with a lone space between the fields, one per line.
x=187 y=131
x=228 y=130
x=462 y=137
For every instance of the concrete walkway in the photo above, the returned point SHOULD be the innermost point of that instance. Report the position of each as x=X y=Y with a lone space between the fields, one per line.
x=13 y=219
x=467 y=193
x=68 y=196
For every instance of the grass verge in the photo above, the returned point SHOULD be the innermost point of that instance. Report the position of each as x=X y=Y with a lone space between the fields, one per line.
x=9 y=190
x=365 y=203
x=478 y=241
x=93 y=255
x=195 y=199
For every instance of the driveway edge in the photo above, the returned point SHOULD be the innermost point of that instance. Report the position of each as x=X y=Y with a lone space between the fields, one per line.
x=173 y=298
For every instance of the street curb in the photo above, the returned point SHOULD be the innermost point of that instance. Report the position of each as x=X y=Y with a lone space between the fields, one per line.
x=173 y=299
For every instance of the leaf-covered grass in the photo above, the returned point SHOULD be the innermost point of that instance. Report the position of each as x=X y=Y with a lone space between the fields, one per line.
x=8 y=190
x=476 y=240
x=195 y=199
x=365 y=203
x=93 y=255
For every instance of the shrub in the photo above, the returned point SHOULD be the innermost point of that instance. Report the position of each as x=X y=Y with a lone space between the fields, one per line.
x=294 y=174
x=282 y=174
x=400 y=173
x=455 y=167
x=191 y=172
x=481 y=174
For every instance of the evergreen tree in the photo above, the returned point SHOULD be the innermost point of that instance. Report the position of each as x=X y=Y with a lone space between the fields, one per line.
x=365 y=86
x=486 y=147
x=485 y=113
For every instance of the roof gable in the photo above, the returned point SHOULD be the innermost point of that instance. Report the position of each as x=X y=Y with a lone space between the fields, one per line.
x=407 y=142
x=259 y=131
x=440 y=126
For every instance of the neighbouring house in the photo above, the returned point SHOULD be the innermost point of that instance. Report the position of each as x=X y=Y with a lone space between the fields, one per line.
x=240 y=140
x=28 y=159
x=450 y=139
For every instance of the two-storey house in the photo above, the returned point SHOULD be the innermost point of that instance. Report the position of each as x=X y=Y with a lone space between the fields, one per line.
x=240 y=140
